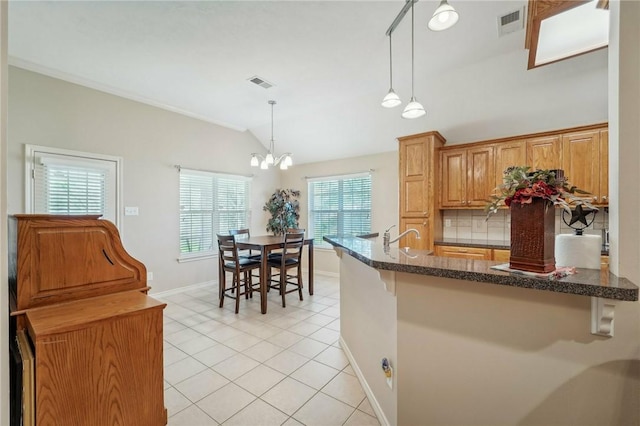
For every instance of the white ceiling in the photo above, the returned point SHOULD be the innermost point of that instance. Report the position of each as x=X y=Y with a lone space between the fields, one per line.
x=328 y=61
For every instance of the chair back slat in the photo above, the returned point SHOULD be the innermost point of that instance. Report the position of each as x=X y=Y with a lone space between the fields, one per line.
x=227 y=248
x=293 y=242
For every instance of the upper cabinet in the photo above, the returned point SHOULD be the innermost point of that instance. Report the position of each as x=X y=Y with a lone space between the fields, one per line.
x=470 y=173
x=586 y=162
x=544 y=153
x=467 y=176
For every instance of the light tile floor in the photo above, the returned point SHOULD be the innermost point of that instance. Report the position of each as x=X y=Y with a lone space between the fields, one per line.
x=282 y=368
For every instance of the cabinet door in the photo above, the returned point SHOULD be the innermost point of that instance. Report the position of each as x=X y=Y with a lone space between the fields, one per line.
x=544 y=153
x=581 y=160
x=410 y=240
x=604 y=168
x=501 y=255
x=480 y=175
x=414 y=160
x=453 y=167
x=509 y=154
x=463 y=252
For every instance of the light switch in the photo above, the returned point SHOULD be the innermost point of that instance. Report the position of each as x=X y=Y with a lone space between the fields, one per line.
x=131 y=211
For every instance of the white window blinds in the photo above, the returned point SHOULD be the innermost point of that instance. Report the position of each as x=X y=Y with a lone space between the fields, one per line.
x=71 y=184
x=211 y=204
x=339 y=205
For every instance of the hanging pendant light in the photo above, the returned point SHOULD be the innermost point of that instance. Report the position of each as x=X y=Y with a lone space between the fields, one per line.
x=391 y=99
x=270 y=159
x=443 y=18
x=413 y=109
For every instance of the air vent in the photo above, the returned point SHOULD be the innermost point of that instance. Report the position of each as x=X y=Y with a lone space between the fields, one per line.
x=260 y=82
x=511 y=22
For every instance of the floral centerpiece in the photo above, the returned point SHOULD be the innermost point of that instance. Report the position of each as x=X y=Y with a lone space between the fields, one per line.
x=522 y=186
x=529 y=196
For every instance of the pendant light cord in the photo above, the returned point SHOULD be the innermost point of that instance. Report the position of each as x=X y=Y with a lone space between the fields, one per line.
x=390 y=64
x=412 y=61
x=272 y=143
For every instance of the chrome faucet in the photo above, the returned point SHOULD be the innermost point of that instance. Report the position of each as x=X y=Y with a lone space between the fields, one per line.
x=386 y=236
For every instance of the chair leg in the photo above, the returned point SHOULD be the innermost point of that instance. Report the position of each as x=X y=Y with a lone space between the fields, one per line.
x=283 y=286
x=300 y=281
x=222 y=286
x=237 y=287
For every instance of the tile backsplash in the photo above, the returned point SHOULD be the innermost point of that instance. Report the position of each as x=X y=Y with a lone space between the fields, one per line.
x=473 y=224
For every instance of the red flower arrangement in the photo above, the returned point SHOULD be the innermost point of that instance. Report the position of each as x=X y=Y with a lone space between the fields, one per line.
x=521 y=186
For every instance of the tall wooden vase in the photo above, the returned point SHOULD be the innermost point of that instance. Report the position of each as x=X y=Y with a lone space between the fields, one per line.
x=533 y=236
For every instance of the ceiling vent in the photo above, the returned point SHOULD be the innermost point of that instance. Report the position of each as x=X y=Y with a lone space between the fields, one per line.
x=260 y=82
x=511 y=22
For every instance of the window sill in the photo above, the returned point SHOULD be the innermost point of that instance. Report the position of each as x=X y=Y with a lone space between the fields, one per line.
x=196 y=257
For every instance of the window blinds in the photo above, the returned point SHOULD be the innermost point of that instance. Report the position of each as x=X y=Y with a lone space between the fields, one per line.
x=340 y=206
x=211 y=204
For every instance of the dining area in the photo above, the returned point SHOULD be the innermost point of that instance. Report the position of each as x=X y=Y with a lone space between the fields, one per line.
x=259 y=264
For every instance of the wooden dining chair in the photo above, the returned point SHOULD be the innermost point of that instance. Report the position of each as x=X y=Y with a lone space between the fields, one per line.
x=277 y=254
x=240 y=267
x=244 y=234
x=289 y=259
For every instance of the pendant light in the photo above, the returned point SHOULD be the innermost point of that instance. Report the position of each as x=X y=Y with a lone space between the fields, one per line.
x=392 y=99
x=284 y=160
x=444 y=17
x=413 y=109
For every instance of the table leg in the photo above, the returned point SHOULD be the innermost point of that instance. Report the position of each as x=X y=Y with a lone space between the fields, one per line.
x=263 y=280
x=311 y=268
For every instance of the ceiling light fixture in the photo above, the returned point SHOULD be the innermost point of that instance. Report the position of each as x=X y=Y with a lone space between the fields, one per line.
x=269 y=160
x=443 y=18
x=391 y=99
x=414 y=109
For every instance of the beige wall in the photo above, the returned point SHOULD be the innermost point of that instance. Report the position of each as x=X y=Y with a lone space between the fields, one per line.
x=481 y=354
x=4 y=303
x=384 y=184
x=51 y=112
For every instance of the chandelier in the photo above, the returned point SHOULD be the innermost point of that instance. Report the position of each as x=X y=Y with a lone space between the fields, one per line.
x=270 y=159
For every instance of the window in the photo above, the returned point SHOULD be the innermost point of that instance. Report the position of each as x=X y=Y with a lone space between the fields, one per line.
x=72 y=183
x=210 y=204
x=339 y=205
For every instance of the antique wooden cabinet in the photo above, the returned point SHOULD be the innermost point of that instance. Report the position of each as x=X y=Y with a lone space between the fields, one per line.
x=97 y=336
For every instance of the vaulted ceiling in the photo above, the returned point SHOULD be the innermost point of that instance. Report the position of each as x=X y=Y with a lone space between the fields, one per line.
x=328 y=62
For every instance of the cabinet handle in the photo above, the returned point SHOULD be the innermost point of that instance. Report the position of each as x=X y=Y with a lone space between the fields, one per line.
x=424 y=223
x=604 y=198
x=462 y=251
x=595 y=198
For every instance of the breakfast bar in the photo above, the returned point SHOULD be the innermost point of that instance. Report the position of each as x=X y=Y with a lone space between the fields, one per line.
x=468 y=344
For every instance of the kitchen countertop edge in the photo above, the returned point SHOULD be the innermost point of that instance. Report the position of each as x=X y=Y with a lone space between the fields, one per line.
x=586 y=282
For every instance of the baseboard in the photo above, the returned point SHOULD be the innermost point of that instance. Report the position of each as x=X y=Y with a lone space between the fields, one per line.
x=365 y=386
x=183 y=289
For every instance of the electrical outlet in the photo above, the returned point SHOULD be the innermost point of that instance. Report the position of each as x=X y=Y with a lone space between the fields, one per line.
x=480 y=224
x=149 y=276
x=131 y=211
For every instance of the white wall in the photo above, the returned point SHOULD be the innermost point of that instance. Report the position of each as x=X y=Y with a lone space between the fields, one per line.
x=384 y=192
x=51 y=112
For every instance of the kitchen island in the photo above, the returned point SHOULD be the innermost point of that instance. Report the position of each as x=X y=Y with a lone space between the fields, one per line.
x=472 y=345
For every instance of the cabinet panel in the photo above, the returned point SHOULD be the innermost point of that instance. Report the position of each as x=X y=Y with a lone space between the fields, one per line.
x=501 y=255
x=463 y=252
x=507 y=155
x=414 y=156
x=544 y=153
x=453 y=178
x=581 y=154
x=480 y=175
x=422 y=225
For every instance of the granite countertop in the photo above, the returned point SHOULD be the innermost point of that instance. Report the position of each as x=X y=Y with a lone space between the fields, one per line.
x=490 y=244
x=586 y=282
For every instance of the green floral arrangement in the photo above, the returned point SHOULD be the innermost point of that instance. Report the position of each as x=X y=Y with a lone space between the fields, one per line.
x=285 y=210
x=522 y=186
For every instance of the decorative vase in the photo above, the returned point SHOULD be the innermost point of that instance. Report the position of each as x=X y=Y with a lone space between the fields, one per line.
x=533 y=236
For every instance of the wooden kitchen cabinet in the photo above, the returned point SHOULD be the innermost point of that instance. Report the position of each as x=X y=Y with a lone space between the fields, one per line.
x=418 y=171
x=544 y=153
x=467 y=176
x=501 y=255
x=586 y=162
x=509 y=154
x=463 y=252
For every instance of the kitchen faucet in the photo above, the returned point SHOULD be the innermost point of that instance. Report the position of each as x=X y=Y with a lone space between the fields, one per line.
x=386 y=236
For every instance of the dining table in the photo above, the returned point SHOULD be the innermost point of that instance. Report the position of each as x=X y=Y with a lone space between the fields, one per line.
x=266 y=244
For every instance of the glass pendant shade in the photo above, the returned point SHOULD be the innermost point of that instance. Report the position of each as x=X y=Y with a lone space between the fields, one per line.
x=444 y=17
x=254 y=161
x=288 y=160
x=264 y=165
x=391 y=100
x=269 y=158
x=283 y=165
x=414 y=109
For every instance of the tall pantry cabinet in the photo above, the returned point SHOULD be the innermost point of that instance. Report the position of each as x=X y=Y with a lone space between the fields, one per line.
x=418 y=169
